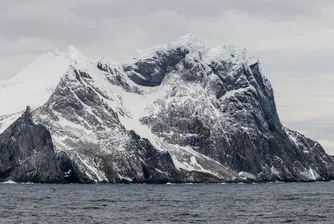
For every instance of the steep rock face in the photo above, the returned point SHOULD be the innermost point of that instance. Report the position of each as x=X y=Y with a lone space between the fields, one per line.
x=27 y=153
x=91 y=143
x=177 y=113
x=151 y=67
x=221 y=105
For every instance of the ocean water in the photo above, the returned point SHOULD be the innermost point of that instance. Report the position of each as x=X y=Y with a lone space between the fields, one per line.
x=186 y=203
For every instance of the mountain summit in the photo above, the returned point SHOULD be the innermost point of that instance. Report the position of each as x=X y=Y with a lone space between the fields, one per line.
x=180 y=112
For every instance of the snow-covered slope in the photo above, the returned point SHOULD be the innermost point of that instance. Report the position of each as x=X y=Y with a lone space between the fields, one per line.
x=178 y=112
x=35 y=84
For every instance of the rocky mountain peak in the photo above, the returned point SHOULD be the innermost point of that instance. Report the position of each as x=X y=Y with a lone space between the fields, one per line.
x=189 y=57
x=76 y=58
x=177 y=112
x=189 y=43
x=27 y=115
x=71 y=50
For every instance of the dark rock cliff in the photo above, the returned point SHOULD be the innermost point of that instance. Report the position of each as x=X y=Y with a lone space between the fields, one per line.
x=27 y=153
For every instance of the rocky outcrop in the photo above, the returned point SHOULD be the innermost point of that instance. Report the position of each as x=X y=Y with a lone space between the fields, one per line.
x=27 y=153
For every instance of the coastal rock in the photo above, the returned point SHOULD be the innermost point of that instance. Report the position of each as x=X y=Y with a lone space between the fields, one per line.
x=27 y=153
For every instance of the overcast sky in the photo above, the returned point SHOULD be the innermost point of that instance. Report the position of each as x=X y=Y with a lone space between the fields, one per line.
x=292 y=38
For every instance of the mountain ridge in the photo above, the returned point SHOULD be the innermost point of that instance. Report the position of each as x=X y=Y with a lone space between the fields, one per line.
x=203 y=114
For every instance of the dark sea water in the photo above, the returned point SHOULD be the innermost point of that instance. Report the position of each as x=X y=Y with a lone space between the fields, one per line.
x=197 y=203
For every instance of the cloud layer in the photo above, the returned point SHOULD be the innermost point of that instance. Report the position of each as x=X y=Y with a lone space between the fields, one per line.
x=292 y=38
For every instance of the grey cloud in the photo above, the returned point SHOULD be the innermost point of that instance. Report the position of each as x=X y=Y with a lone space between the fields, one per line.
x=29 y=21
x=306 y=61
x=319 y=128
x=270 y=9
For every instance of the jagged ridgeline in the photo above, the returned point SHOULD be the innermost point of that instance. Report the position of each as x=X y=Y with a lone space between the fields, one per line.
x=180 y=112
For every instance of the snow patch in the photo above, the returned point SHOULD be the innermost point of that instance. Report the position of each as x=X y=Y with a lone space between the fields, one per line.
x=246 y=176
x=34 y=85
x=6 y=121
x=275 y=171
x=311 y=174
x=92 y=169
x=8 y=182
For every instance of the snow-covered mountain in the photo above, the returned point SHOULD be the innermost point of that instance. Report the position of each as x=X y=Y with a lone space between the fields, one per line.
x=176 y=113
